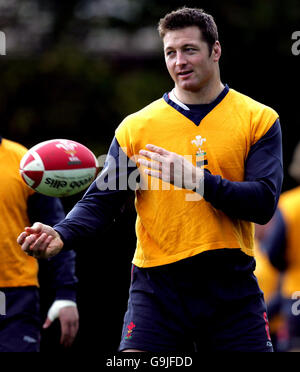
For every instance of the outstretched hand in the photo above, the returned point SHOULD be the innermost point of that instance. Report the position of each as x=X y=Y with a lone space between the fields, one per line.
x=170 y=167
x=40 y=241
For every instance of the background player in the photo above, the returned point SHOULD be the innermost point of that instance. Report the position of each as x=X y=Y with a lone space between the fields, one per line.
x=20 y=328
x=282 y=247
x=269 y=280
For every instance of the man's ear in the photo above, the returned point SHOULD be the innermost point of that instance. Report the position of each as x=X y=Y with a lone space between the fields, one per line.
x=216 y=51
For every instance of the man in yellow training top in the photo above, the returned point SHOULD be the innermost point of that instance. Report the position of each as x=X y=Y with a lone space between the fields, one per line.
x=205 y=163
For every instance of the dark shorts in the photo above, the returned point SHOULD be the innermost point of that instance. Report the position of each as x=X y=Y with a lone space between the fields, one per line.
x=20 y=326
x=209 y=302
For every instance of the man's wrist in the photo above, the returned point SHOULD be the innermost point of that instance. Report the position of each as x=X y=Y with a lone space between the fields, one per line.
x=199 y=181
x=57 y=305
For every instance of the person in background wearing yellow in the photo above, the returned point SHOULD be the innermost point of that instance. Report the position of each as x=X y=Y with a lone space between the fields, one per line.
x=282 y=245
x=20 y=323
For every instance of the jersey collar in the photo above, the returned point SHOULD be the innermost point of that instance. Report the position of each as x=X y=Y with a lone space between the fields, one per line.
x=196 y=113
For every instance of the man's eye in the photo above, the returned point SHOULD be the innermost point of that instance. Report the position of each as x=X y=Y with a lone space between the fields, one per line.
x=170 y=52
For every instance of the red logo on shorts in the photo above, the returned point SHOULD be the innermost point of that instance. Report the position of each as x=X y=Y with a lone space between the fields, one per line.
x=130 y=330
x=267 y=328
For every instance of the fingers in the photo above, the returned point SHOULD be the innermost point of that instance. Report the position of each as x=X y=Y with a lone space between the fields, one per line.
x=21 y=238
x=47 y=323
x=170 y=167
x=68 y=333
x=151 y=155
x=160 y=158
x=35 y=245
x=36 y=228
x=154 y=168
x=154 y=152
x=157 y=149
x=40 y=241
x=27 y=241
x=69 y=329
x=69 y=321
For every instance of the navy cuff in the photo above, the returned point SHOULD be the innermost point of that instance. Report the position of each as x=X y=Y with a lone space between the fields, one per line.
x=66 y=293
x=65 y=237
x=210 y=185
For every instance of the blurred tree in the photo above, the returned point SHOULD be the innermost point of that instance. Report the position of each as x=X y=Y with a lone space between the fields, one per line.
x=66 y=61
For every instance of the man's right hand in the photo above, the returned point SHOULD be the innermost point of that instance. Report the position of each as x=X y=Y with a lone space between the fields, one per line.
x=40 y=241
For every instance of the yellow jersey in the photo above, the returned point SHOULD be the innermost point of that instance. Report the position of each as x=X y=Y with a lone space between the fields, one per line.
x=173 y=224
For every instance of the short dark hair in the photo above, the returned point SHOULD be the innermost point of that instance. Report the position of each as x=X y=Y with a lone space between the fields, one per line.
x=186 y=17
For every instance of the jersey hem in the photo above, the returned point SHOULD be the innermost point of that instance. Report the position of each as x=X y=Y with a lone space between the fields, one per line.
x=13 y=284
x=177 y=257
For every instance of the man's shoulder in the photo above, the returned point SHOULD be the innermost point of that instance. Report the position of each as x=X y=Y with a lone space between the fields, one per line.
x=135 y=124
x=251 y=103
x=150 y=111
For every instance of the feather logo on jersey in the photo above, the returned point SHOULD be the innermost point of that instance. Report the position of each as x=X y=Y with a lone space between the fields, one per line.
x=201 y=158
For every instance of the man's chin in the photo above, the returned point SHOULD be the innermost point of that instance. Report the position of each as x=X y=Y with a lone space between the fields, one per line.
x=193 y=88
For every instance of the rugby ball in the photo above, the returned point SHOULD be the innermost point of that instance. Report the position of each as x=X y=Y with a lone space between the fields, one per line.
x=58 y=167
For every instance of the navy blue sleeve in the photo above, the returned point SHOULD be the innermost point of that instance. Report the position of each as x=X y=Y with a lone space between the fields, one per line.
x=274 y=245
x=103 y=201
x=255 y=199
x=60 y=269
x=60 y=275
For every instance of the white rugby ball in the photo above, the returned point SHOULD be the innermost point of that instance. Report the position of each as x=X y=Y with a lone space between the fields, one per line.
x=59 y=167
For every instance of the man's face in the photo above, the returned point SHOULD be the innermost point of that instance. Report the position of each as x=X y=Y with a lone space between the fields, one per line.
x=187 y=58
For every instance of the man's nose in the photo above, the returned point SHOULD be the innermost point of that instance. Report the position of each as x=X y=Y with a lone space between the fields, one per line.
x=180 y=59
